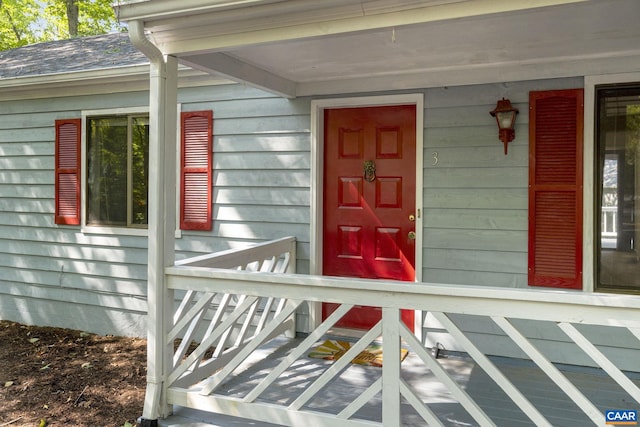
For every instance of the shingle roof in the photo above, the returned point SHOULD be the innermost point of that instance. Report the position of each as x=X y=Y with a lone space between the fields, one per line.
x=79 y=54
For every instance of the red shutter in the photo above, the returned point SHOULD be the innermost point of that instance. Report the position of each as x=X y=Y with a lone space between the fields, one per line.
x=67 y=172
x=196 y=170
x=555 y=188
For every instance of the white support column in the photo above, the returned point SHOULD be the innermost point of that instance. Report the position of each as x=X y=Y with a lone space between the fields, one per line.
x=163 y=91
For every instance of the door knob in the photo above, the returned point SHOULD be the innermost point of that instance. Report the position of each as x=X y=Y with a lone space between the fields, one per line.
x=412 y=235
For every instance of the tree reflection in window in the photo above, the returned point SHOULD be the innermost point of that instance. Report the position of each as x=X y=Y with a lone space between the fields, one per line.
x=117 y=171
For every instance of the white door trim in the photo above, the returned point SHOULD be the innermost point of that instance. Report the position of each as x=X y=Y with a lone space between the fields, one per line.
x=317 y=169
x=588 y=211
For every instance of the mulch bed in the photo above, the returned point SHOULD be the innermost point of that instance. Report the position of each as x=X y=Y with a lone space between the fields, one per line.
x=62 y=377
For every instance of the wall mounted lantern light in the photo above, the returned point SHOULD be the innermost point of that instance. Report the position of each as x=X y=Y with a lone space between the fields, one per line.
x=505 y=115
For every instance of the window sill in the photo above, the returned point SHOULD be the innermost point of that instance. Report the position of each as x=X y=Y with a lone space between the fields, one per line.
x=90 y=229
x=121 y=231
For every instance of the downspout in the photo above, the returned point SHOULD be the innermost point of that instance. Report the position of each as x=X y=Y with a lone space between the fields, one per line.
x=143 y=44
x=163 y=76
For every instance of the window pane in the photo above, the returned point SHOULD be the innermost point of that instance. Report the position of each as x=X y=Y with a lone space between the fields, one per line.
x=140 y=170
x=619 y=184
x=107 y=171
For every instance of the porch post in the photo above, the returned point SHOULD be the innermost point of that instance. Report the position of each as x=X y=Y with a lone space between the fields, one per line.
x=162 y=220
x=162 y=226
x=391 y=320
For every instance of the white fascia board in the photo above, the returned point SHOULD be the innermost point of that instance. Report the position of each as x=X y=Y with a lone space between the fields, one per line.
x=153 y=9
x=271 y=21
x=242 y=72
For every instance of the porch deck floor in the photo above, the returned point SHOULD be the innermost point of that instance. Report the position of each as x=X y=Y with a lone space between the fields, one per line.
x=530 y=380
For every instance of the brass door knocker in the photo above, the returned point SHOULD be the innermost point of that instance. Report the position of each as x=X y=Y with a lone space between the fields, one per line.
x=369 y=170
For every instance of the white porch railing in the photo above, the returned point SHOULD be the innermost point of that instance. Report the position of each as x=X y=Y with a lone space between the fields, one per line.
x=227 y=316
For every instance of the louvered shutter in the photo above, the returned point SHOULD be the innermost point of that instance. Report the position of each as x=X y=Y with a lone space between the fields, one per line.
x=67 y=172
x=555 y=188
x=196 y=170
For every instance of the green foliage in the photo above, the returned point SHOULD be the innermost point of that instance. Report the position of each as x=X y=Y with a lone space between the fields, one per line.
x=31 y=21
x=16 y=17
x=94 y=17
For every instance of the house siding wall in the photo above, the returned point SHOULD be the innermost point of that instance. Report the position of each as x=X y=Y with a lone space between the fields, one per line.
x=476 y=216
x=60 y=276
x=56 y=275
x=475 y=199
x=261 y=161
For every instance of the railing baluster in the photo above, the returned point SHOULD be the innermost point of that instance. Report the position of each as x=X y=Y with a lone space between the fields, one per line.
x=209 y=341
x=188 y=336
x=212 y=382
x=268 y=265
x=247 y=323
x=602 y=361
x=443 y=376
x=337 y=367
x=298 y=351
x=552 y=372
x=266 y=311
x=361 y=400
x=222 y=343
x=187 y=300
x=419 y=406
x=498 y=377
x=191 y=313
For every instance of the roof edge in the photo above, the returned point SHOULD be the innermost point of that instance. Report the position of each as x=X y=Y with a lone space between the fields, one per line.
x=106 y=80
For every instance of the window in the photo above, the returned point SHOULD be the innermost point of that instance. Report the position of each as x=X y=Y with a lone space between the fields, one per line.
x=618 y=188
x=117 y=171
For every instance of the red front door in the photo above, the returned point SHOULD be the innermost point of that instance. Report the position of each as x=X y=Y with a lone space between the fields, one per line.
x=369 y=199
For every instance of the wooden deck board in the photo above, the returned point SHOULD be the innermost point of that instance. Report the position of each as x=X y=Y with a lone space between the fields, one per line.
x=541 y=391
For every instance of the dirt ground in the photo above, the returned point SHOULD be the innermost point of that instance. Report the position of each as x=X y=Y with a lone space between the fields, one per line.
x=62 y=377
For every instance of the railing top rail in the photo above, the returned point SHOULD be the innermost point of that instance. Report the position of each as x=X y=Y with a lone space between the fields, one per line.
x=552 y=305
x=232 y=257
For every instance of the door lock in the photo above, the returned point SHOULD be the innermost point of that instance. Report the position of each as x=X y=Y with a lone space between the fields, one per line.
x=412 y=235
x=412 y=217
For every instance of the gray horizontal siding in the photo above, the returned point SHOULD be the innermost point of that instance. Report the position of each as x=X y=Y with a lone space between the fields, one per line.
x=475 y=199
x=56 y=275
x=261 y=164
x=261 y=192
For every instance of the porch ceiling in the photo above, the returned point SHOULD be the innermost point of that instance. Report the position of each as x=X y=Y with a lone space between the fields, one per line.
x=309 y=47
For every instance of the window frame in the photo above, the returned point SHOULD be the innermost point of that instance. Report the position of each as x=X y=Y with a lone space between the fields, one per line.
x=599 y=93
x=589 y=258
x=105 y=229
